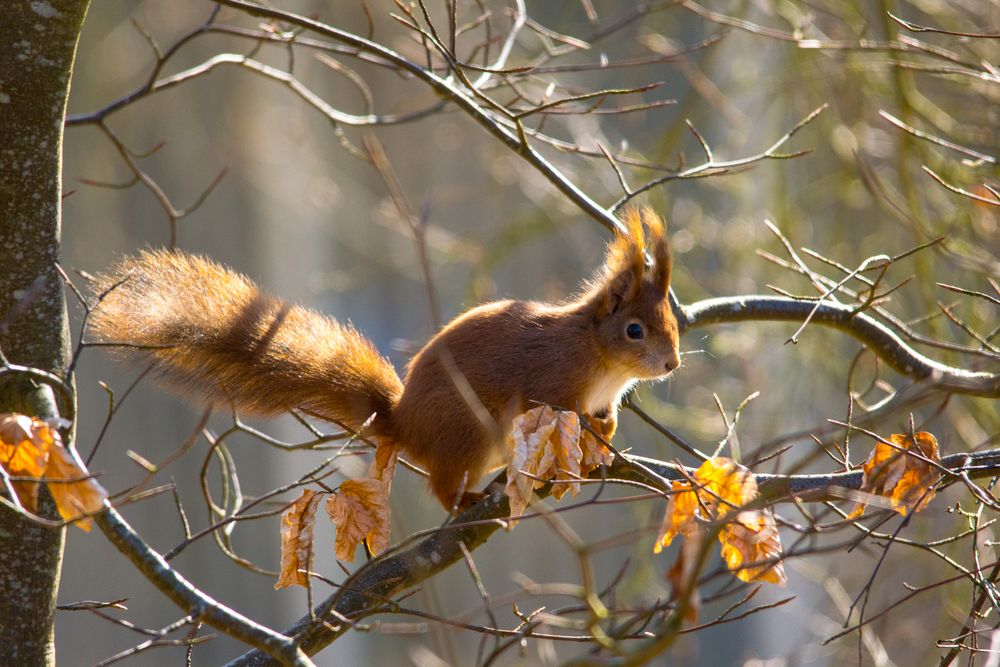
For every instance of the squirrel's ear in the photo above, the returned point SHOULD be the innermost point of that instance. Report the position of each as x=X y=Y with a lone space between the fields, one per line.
x=658 y=246
x=624 y=264
x=618 y=289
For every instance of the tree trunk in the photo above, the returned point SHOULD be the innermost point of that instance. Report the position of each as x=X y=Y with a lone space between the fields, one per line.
x=38 y=41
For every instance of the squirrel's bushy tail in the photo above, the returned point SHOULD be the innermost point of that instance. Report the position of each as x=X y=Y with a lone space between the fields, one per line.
x=211 y=330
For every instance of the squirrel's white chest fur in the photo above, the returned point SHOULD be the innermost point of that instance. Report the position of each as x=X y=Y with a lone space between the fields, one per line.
x=606 y=391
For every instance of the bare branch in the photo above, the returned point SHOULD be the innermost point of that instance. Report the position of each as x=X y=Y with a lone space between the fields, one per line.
x=878 y=337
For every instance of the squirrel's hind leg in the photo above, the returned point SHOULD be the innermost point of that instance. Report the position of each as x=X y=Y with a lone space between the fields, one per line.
x=452 y=486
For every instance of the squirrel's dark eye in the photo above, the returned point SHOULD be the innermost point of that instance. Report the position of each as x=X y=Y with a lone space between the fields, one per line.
x=634 y=331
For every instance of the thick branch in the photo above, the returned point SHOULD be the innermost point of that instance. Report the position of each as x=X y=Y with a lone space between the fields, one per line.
x=879 y=338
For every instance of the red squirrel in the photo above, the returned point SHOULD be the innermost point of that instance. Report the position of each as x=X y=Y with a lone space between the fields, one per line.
x=211 y=331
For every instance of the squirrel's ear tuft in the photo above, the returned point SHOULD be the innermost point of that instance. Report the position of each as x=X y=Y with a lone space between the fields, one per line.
x=624 y=263
x=658 y=246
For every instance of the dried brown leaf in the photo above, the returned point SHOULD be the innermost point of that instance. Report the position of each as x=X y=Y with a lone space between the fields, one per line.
x=753 y=538
x=595 y=452
x=297 y=523
x=902 y=471
x=360 y=510
x=383 y=466
x=548 y=444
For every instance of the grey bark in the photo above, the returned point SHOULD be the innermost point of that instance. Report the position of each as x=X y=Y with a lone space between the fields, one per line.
x=38 y=41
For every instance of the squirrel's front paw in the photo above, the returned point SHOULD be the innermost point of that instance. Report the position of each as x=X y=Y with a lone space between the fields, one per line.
x=470 y=498
x=605 y=426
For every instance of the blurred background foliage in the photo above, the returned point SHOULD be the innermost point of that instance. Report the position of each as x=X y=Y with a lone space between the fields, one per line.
x=302 y=216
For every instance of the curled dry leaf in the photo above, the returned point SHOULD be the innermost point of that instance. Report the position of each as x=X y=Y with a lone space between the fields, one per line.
x=679 y=517
x=544 y=444
x=727 y=483
x=297 y=523
x=719 y=489
x=74 y=492
x=753 y=538
x=383 y=466
x=24 y=452
x=595 y=452
x=903 y=471
x=360 y=510
x=30 y=447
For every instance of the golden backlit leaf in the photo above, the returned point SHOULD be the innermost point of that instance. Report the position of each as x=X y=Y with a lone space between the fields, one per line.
x=73 y=492
x=902 y=471
x=30 y=447
x=753 y=538
x=24 y=452
x=720 y=481
x=24 y=444
x=297 y=523
x=360 y=510
x=679 y=517
x=719 y=489
x=724 y=482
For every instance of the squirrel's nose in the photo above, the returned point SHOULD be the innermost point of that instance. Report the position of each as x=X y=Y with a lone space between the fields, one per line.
x=673 y=361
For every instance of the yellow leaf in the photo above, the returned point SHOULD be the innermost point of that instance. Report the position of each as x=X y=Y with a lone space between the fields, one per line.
x=24 y=452
x=720 y=481
x=902 y=472
x=724 y=482
x=679 y=517
x=81 y=495
x=719 y=489
x=753 y=538
x=360 y=510
x=30 y=447
x=297 y=524
x=24 y=444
